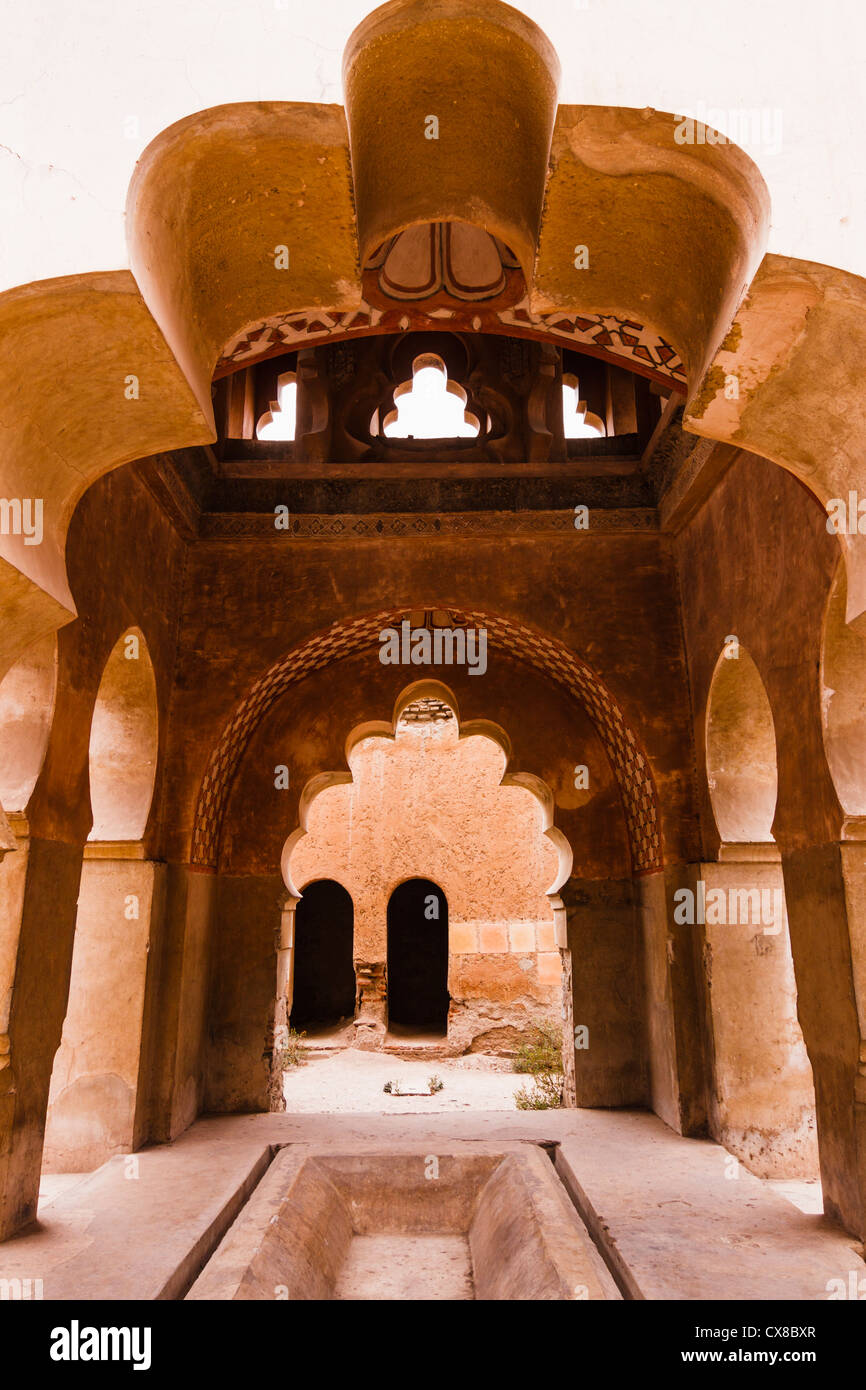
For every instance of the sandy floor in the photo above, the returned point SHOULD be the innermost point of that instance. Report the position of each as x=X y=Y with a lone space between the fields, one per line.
x=350 y=1082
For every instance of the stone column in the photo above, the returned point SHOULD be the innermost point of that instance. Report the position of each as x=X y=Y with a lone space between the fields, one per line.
x=182 y=999
x=762 y=1100
x=560 y=933
x=825 y=888
x=38 y=894
x=97 y=1101
x=675 y=1023
x=285 y=947
x=602 y=1016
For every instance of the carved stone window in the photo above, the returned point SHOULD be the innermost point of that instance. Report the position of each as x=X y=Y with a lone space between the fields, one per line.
x=430 y=406
x=280 y=420
x=577 y=421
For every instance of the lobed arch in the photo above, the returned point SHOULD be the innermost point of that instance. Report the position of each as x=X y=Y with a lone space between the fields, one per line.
x=472 y=728
x=548 y=655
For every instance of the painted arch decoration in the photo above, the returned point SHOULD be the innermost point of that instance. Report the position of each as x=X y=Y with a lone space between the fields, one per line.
x=546 y=654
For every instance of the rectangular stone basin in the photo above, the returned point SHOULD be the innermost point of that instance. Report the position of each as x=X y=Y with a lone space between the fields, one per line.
x=466 y=1221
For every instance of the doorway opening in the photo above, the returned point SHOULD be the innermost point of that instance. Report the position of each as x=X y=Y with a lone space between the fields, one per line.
x=418 y=998
x=323 y=985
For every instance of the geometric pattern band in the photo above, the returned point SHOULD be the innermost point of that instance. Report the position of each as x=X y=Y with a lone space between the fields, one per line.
x=610 y=335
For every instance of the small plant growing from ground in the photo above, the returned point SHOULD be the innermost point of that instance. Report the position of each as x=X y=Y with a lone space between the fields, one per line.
x=541 y=1059
x=543 y=1093
x=542 y=1052
x=392 y=1088
x=294 y=1054
x=436 y=1084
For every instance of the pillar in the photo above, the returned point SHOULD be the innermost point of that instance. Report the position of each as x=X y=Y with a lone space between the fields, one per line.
x=98 y=1099
x=825 y=888
x=762 y=1100
x=38 y=895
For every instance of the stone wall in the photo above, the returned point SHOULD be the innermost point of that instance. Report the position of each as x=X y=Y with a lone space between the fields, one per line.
x=429 y=804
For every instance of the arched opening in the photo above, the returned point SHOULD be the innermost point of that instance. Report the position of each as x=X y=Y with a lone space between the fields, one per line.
x=323 y=991
x=741 y=751
x=96 y=1105
x=279 y=421
x=762 y=1103
x=843 y=689
x=417 y=970
x=427 y=793
x=430 y=406
x=123 y=742
x=578 y=422
x=26 y=706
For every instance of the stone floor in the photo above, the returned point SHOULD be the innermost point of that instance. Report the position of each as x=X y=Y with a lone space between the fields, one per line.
x=668 y=1221
x=350 y=1081
x=387 y=1268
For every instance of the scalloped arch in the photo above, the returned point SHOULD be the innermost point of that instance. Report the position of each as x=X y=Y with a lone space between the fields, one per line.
x=546 y=654
x=483 y=728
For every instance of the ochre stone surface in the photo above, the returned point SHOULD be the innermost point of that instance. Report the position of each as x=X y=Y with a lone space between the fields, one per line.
x=429 y=803
x=243 y=214
x=487 y=161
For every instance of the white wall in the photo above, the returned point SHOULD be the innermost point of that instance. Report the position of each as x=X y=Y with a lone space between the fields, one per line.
x=75 y=74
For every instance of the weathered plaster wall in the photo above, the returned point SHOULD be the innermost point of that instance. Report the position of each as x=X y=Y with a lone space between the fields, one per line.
x=762 y=1100
x=612 y=598
x=430 y=804
x=95 y=1102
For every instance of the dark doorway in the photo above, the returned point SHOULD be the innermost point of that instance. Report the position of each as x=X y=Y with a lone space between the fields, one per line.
x=324 y=971
x=418 y=995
